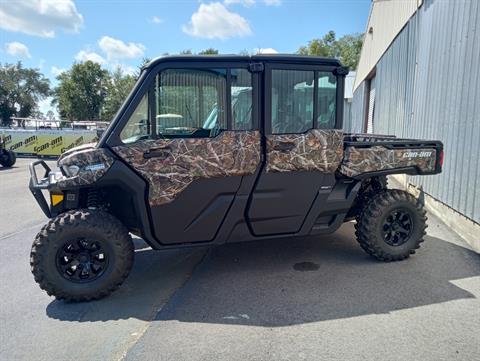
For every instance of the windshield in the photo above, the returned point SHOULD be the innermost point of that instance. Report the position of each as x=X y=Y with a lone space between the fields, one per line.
x=138 y=124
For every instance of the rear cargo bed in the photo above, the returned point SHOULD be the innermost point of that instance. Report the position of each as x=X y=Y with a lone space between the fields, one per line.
x=367 y=155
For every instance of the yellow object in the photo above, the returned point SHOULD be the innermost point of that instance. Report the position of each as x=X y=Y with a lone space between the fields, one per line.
x=45 y=142
x=56 y=198
x=23 y=142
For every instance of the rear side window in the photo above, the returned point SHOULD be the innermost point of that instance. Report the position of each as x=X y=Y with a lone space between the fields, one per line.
x=292 y=101
x=302 y=100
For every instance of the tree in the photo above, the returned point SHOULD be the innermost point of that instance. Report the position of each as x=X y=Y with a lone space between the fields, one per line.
x=209 y=51
x=50 y=115
x=118 y=89
x=347 y=48
x=144 y=62
x=20 y=91
x=81 y=92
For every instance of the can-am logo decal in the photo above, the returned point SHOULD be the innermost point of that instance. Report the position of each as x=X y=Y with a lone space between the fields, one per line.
x=95 y=167
x=423 y=154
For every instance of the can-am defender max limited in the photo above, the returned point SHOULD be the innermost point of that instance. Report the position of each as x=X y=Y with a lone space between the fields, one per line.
x=209 y=150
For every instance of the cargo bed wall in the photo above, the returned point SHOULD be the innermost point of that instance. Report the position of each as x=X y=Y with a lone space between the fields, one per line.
x=374 y=155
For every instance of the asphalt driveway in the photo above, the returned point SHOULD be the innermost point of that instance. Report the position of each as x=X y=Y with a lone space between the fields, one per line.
x=318 y=298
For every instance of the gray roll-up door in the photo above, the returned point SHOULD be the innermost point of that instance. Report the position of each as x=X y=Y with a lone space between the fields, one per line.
x=371 y=106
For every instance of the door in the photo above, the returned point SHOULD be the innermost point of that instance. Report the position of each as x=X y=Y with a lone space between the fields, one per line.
x=303 y=150
x=192 y=138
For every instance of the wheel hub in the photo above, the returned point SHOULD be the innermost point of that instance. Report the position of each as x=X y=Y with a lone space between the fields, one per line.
x=81 y=260
x=397 y=227
x=84 y=258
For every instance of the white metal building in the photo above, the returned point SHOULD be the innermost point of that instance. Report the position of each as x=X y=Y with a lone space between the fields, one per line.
x=419 y=77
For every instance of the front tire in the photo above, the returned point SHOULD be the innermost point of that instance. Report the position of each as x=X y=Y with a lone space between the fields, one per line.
x=9 y=159
x=391 y=226
x=82 y=255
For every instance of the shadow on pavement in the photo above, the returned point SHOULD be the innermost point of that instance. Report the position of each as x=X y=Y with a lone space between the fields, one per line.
x=284 y=282
x=7 y=168
x=154 y=277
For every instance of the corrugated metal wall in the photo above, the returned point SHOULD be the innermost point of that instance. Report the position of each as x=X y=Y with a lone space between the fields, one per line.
x=357 y=111
x=347 y=112
x=438 y=98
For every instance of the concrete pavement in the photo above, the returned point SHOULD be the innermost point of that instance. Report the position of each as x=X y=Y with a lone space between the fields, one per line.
x=318 y=298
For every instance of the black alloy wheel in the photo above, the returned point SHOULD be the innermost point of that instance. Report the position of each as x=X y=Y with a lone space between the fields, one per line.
x=397 y=227
x=82 y=260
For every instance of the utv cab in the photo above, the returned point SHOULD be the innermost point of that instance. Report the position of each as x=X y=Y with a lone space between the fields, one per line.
x=214 y=149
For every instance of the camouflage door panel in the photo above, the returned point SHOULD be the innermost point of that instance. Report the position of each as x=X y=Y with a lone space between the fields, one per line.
x=93 y=163
x=377 y=158
x=317 y=150
x=187 y=159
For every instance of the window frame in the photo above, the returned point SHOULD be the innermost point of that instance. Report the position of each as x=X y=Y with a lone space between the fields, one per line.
x=316 y=69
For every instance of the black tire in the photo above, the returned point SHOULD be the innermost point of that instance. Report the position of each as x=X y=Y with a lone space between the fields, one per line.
x=9 y=160
x=78 y=228
x=391 y=225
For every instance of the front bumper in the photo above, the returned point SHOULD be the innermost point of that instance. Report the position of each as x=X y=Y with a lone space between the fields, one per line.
x=36 y=186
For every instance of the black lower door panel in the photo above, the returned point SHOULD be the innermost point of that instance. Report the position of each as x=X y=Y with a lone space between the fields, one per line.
x=281 y=201
x=197 y=213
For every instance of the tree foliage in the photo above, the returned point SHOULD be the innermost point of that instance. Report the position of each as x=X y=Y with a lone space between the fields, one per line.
x=347 y=48
x=143 y=63
x=209 y=51
x=118 y=88
x=88 y=92
x=81 y=92
x=20 y=91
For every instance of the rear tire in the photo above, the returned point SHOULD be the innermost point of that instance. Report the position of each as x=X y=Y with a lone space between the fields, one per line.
x=391 y=226
x=82 y=255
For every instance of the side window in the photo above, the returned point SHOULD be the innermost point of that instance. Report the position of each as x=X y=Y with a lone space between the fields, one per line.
x=292 y=101
x=138 y=125
x=241 y=95
x=190 y=102
x=327 y=98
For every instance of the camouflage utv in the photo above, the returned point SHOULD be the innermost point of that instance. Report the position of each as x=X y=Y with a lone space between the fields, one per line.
x=211 y=150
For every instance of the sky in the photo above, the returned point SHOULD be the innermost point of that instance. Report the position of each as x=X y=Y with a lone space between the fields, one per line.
x=52 y=34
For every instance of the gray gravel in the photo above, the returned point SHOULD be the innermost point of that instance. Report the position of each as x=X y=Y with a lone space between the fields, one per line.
x=319 y=298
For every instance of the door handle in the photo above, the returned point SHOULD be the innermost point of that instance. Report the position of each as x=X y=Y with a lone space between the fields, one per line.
x=157 y=153
x=284 y=146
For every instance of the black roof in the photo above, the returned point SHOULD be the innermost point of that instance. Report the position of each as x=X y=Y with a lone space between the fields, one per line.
x=283 y=58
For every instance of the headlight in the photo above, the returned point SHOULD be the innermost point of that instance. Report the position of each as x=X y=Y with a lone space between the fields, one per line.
x=71 y=170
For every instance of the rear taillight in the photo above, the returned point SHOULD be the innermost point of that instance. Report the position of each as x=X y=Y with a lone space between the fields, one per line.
x=440 y=160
